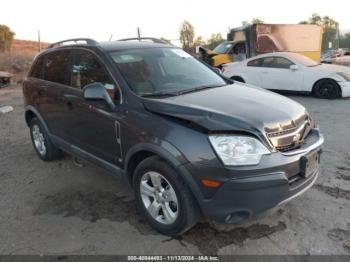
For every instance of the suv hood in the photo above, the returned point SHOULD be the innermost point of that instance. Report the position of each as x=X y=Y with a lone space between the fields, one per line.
x=236 y=107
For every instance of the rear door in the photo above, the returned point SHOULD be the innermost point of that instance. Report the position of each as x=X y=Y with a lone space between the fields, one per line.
x=49 y=85
x=276 y=74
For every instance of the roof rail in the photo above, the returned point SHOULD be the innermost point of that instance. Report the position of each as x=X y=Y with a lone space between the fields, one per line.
x=76 y=41
x=153 y=39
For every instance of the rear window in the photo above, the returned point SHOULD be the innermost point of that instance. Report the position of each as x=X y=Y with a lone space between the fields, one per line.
x=255 y=63
x=277 y=62
x=37 y=70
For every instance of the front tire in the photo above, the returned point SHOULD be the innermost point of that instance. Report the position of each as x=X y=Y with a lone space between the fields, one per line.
x=327 y=89
x=43 y=146
x=163 y=198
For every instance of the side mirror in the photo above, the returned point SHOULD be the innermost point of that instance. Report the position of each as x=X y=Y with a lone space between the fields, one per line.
x=294 y=67
x=97 y=91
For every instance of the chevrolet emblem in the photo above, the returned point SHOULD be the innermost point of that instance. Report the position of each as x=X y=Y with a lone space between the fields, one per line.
x=296 y=138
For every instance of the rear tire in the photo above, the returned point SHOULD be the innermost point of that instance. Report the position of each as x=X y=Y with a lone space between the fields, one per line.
x=172 y=212
x=43 y=146
x=327 y=89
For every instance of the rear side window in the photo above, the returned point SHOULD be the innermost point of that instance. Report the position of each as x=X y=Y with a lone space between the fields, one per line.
x=255 y=63
x=38 y=67
x=87 y=69
x=55 y=67
x=277 y=62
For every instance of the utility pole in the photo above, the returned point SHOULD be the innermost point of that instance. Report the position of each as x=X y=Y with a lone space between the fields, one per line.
x=139 y=34
x=110 y=38
x=338 y=36
x=39 y=40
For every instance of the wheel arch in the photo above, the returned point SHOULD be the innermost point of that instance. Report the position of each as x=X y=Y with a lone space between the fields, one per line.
x=142 y=151
x=323 y=79
x=30 y=113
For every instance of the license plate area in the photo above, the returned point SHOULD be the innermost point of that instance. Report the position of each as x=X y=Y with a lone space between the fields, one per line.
x=309 y=164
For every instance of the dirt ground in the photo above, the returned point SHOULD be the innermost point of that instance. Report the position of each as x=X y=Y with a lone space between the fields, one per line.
x=62 y=208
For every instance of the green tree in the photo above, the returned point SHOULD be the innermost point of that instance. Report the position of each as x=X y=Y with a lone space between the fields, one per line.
x=257 y=21
x=330 y=29
x=315 y=19
x=253 y=21
x=6 y=38
x=199 y=41
x=214 y=40
x=187 y=35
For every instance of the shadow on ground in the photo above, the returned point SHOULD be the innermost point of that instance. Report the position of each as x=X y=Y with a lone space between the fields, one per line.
x=92 y=206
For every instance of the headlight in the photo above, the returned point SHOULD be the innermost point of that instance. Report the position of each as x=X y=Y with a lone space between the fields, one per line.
x=238 y=150
x=346 y=76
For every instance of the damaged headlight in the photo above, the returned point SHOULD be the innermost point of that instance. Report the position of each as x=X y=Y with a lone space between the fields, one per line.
x=238 y=150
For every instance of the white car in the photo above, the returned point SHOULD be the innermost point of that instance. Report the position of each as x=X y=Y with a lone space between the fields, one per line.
x=291 y=72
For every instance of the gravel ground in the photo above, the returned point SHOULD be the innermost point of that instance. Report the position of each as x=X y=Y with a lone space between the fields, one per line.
x=64 y=208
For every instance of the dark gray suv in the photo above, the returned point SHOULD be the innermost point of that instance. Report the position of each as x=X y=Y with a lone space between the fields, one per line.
x=190 y=142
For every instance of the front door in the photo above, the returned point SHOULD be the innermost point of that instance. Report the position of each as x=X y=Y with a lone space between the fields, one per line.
x=93 y=126
x=277 y=74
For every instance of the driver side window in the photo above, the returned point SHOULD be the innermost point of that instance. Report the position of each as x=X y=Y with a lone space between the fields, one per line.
x=87 y=69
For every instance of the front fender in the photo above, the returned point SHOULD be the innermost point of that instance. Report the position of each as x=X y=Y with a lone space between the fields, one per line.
x=163 y=148
x=172 y=156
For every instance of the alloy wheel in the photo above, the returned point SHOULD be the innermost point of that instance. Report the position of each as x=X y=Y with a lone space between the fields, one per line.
x=39 y=140
x=159 y=197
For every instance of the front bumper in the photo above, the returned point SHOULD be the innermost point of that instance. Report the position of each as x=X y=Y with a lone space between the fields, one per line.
x=248 y=191
x=345 y=88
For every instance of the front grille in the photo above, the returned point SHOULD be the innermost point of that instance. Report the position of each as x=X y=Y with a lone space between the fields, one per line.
x=286 y=148
x=281 y=133
x=290 y=138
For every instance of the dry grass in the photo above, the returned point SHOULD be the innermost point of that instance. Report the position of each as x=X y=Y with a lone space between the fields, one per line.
x=19 y=59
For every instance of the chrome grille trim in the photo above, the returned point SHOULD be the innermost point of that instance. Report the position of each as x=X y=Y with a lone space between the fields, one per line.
x=287 y=133
x=291 y=138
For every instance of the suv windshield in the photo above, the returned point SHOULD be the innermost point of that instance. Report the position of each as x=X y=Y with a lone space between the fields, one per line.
x=162 y=71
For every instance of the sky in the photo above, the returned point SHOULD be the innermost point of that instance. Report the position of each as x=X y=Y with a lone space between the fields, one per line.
x=63 y=19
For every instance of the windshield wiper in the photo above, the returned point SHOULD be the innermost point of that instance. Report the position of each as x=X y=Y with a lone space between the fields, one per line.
x=198 y=88
x=167 y=94
x=158 y=94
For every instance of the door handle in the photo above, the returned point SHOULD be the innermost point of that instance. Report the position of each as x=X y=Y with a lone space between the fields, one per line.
x=70 y=97
x=117 y=131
